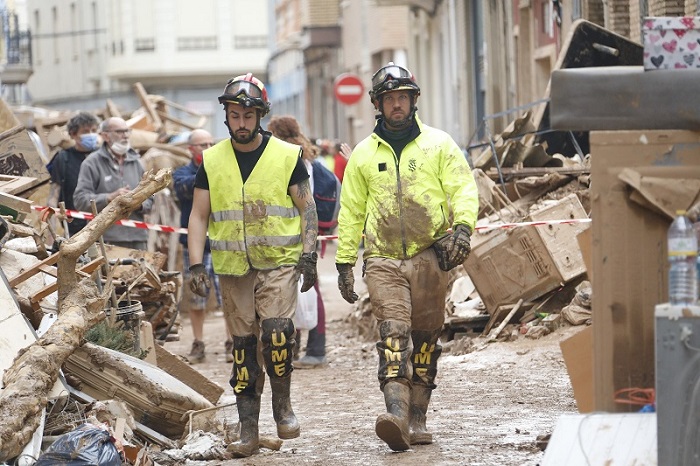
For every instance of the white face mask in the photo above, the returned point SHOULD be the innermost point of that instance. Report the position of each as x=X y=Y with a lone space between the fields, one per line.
x=120 y=148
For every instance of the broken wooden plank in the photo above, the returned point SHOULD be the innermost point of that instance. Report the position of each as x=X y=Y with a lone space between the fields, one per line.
x=33 y=270
x=494 y=334
x=201 y=116
x=18 y=204
x=177 y=121
x=537 y=171
x=16 y=184
x=179 y=369
x=83 y=271
x=148 y=106
x=112 y=110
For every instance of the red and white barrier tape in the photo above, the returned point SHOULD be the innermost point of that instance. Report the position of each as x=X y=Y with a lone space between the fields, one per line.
x=169 y=229
x=124 y=222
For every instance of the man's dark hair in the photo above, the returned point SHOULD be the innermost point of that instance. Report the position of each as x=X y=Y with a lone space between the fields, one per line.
x=79 y=120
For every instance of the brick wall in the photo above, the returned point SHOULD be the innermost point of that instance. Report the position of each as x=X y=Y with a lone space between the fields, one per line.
x=666 y=7
x=594 y=11
x=321 y=13
x=619 y=17
x=635 y=22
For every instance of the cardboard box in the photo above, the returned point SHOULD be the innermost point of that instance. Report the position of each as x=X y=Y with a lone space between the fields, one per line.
x=584 y=244
x=671 y=42
x=630 y=263
x=506 y=265
x=577 y=351
x=20 y=156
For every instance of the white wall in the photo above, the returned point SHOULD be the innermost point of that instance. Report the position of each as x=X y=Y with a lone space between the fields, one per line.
x=88 y=50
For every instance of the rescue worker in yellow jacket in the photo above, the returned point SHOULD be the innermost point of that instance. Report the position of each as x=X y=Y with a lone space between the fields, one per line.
x=405 y=185
x=252 y=194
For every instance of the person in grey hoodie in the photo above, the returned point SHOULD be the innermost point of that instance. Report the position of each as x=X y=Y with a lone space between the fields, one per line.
x=113 y=169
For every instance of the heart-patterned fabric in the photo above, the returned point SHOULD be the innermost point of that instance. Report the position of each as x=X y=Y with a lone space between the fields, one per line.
x=671 y=42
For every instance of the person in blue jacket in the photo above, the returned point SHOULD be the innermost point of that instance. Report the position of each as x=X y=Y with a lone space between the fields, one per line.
x=183 y=181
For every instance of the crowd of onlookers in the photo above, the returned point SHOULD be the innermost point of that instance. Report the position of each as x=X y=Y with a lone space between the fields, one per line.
x=101 y=164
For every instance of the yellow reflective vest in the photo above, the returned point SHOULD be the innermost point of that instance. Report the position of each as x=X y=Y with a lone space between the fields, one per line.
x=253 y=224
x=403 y=205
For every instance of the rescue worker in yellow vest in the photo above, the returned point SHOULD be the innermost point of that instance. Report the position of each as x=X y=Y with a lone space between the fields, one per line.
x=252 y=194
x=405 y=185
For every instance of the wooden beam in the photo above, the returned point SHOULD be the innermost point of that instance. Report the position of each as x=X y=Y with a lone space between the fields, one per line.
x=16 y=184
x=83 y=271
x=33 y=270
x=537 y=171
x=112 y=110
x=148 y=106
x=19 y=204
x=177 y=121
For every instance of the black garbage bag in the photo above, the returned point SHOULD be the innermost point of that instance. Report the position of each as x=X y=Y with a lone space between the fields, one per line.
x=86 y=445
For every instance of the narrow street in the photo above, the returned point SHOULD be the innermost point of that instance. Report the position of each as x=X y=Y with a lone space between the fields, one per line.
x=489 y=408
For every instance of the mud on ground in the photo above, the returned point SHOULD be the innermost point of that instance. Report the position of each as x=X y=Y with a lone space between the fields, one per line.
x=489 y=408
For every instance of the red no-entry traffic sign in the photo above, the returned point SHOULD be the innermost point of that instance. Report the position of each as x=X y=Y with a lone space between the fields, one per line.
x=348 y=88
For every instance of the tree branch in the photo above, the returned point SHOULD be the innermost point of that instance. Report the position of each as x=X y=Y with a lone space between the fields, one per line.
x=27 y=383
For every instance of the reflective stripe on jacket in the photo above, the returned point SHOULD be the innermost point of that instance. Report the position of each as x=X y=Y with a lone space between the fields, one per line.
x=404 y=205
x=253 y=224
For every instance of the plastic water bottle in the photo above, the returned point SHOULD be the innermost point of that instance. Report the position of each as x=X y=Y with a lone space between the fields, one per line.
x=682 y=256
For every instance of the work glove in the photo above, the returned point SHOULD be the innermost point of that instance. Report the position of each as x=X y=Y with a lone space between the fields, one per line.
x=460 y=245
x=346 y=282
x=443 y=257
x=307 y=267
x=199 y=280
x=452 y=250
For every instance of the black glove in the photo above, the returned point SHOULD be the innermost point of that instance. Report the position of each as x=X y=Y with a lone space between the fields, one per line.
x=307 y=267
x=199 y=280
x=346 y=282
x=460 y=245
x=443 y=257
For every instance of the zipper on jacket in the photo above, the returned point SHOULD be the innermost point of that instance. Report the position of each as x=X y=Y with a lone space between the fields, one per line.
x=400 y=198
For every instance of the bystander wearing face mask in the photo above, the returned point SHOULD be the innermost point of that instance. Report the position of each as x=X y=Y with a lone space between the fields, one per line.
x=89 y=141
x=120 y=148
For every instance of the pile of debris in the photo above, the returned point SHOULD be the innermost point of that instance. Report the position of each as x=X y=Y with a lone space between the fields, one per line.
x=81 y=355
x=527 y=263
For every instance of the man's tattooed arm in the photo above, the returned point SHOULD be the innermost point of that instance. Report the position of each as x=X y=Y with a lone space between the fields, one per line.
x=304 y=201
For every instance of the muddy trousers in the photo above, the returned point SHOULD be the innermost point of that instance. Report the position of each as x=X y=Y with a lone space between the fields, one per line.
x=395 y=372
x=426 y=351
x=247 y=381
x=277 y=348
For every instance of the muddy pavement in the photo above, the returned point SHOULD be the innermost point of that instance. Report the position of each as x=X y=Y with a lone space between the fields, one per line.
x=489 y=407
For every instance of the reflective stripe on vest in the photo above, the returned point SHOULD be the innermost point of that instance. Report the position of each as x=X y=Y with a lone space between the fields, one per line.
x=237 y=215
x=255 y=240
x=253 y=224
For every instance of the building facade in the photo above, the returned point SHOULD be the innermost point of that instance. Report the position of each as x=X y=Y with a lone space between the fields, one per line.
x=478 y=62
x=86 y=51
x=304 y=60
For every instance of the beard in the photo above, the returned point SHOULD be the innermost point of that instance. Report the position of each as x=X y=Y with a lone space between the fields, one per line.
x=399 y=124
x=244 y=137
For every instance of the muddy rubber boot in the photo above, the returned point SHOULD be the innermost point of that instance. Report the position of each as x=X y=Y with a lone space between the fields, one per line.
x=248 y=415
x=420 y=399
x=287 y=424
x=392 y=427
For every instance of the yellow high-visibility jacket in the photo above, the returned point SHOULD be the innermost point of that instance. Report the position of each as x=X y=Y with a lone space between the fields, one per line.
x=404 y=205
x=253 y=224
